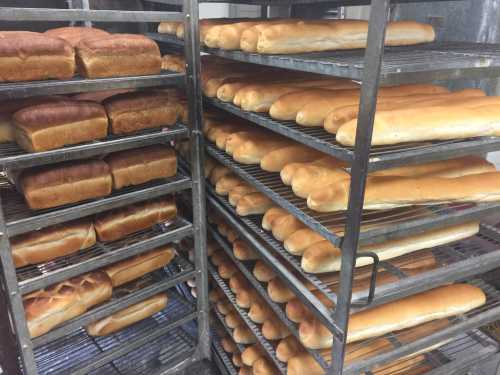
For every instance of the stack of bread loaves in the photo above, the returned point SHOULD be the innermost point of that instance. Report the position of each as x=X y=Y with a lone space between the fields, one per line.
x=59 y=53
x=282 y=36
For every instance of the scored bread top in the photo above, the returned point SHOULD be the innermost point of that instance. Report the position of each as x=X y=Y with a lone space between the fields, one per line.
x=74 y=34
x=25 y=43
x=118 y=44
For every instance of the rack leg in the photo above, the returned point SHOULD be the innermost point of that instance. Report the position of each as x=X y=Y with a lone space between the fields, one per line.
x=193 y=91
x=371 y=76
x=8 y=347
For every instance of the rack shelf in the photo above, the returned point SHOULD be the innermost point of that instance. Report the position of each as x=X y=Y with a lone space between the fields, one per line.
x=266 y=345
x=220 y=355
x=125 y=296
x=20 y=219
x=228 y=330
x=13 y=157
x=78 y=85
x=39 y=276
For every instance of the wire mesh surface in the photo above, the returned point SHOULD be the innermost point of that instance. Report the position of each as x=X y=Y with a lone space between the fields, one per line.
x=378 y=225
x=59 y=356
x=224 y=357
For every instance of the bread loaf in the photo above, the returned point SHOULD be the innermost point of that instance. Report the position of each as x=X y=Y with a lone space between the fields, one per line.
x=289 y=171
x=288 y=347
x=314 y=36
x=47 y=308
x=275 y=329
x=65 y=183
x=227 y=36
x=28 y=56
x=278 y=291
x=429 y=123
x=276 y=160
x=141 y=110
x=251 y=354
x=53 y=242
x=222 y=136
x=215 y=295
x=405 y=191
x=263 y=367
x=227 y=183
x=168 y=27
x=260 y=312
x=253 y=204
x=250 y=37
x=297 y=312
x=300 y=240
x=341 y=115
x=53 y=125
x=242 y=251
x=233 y=320
x=229 y=345
x=227 y=270
x=119 y=223
x=235 y=140
x=141 y=165
x=243 y=335
x=246 y=297
x=407 y=312
x=284 y=226
x=137 y=55
x=174 y=63
x=128 y=316
x=245 y=371
x=271 y=215
x=325 y=257
x=133 y=268
x=294 y=171
x=73 y=35
x=314 y=113
x=263 y=272
x=310 y=178
x=238 y=192
x=238 y=282
x=218 y=172
x=252 y=151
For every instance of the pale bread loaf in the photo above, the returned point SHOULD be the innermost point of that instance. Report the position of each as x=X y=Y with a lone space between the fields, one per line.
x=276 y=160
x=238 y=192
x=227 y=183
x=260 y=312
x=242 y=251
x=226 y=270
x=252 y=151
x=236 y=358
x=285 y=226
x=245 y=298
x=251 y=354
x=271 y=215
x=253 y=204
x=233 y=320
x=274 y=329
x=287 y=348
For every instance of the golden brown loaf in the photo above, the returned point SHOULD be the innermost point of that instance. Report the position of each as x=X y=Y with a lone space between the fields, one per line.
x=119 y=223
x=271 y=215
x=11 y=106
x=260 y=312
x=227 y=269
x=245 y=298
x=276 y=160
x=407 y=312
x=52 y=242
x=243 y=335
x=49 y=126
x=242 y=251
x=251 y=354
x=263 y=272
x=133 y=268
x=28 y=56
x=73 y=34
x=47 y=308
x=128 y=316
x=168 y=27
x=218 y=172
x=229 y=345
x=224 y=307
x=140 y=165
x=136 y=111
x=64 y=183
x=118 y=55
x=227 y=36
x=253 y=204
x=239 y=192
x=174 y=63
x=316 y=36
x=287 y=348
x=227 y=183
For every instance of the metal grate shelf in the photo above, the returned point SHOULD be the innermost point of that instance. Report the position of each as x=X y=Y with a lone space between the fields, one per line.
x=221 y=320
x=20 y=219
x=124 y=296
x=266 y=345
x=381 y=157
x=34 y=277
x=13 y=157
x=63 y=355
x=222 y=356
x=78 y=85
x=390 y=223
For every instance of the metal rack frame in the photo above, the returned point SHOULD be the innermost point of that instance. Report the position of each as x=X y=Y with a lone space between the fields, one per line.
x=373 y=66
x=17 y=219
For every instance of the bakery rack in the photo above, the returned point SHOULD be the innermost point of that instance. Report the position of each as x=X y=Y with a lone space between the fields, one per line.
x=162 y=342
x=373 y=66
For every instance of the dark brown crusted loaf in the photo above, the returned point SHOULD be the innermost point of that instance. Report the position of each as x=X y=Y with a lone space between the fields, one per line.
x=65 y=183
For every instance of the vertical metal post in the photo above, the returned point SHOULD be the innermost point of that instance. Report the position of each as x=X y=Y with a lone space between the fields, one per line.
x=86 y=6
x=368 y=101
x=15 y=301
x=263 y=11
x=8 y=346
x=193 y=91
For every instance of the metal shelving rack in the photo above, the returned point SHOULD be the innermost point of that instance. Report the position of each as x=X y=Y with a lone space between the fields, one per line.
x=160 y=342
x=373 y=66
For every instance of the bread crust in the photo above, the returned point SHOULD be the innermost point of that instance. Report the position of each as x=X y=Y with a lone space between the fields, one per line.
x=74 y=34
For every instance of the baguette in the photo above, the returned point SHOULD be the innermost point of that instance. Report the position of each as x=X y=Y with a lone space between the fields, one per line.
x=341 y=115
x=218 y=172
x=231 y=236
x=122 y=272
x=238 y=282
x=279 y=292
x=243 y=335
x=218 y=258
x=285 y=226
x=251 y=354
x=314 y=36
x=233 y=320
x=235 y=140
x=141 y=165
x=428 y=123
x=65 y=183
x=313 y=177
x=274 y=329
x=260 y=312
x=223 y=136
x=215 y=295
x=253 y=204
x=276 y=160
x=228 y=345
x=128 y=316
x=438 y=303
x=227 y=36
x=227 y=183
x=74 y=35
x=53 y=242
x=226 y=270
x=48 y=308
x=271 y=215
x=250 y=37
x=119 y=223
x=314 y=113
x=299 y=241
x=297 y=312
x=252 y=152
x=290 y=169
x=288 y=348
x=405 y=191
x=243 y=252
x=263 y=367
x=263 y=272
x=238 y=192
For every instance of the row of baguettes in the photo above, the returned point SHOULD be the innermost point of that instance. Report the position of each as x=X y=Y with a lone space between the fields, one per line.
x=282 y=36
x=47 y=123
x=76 y=181
x=405 y=113
x=59 y=53
x=60 y=240
x=47 y=308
